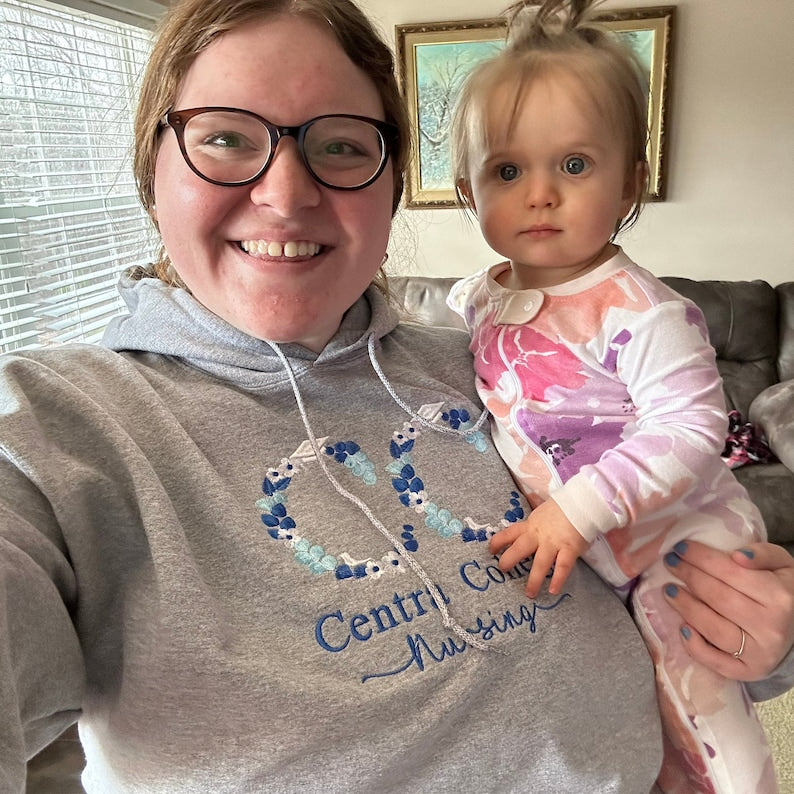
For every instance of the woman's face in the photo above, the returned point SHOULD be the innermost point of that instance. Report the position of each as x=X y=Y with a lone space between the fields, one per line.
x=288 y=70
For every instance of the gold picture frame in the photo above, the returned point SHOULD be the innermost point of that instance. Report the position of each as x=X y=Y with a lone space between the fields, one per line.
x=434 y=59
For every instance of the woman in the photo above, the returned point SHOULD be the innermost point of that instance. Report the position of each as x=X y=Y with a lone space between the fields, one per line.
x=242 y=564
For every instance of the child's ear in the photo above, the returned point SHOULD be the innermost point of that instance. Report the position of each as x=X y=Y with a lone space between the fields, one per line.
x=634 y=186
x=637 y=182
x=463 y=189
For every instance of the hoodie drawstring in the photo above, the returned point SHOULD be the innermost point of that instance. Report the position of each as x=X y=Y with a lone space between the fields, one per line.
x=447 y=619
x=416 y=417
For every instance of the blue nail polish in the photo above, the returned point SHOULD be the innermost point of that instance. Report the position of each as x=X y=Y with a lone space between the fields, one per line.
x=671 y=590
x=680 y=548
x=672 y=559
x=748 y=553
x=685 y=632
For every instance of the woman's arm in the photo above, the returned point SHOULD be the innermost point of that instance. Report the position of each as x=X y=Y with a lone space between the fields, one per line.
x=41 y=663
x=750 y=590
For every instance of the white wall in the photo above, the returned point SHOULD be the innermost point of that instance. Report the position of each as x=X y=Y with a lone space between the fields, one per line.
x=729 y=211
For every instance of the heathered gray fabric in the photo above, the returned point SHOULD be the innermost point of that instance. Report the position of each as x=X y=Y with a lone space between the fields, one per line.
x=140 y=587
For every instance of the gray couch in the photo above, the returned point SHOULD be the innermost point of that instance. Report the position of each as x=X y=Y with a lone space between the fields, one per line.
x=751 y=325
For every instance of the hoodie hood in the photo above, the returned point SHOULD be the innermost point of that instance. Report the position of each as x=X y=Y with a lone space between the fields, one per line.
x=169 y=321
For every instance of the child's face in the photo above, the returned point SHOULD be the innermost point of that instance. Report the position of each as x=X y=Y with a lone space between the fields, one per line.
x=549 y=194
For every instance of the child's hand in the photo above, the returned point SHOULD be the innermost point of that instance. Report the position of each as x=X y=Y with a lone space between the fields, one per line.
x=548 y=535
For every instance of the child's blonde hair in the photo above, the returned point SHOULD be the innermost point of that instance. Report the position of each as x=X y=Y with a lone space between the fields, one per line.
x=557 y=36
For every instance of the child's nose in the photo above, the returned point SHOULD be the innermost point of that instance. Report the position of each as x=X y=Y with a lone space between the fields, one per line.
x=542 y=192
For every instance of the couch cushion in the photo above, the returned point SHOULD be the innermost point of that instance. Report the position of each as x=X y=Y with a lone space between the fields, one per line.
x=771 y=487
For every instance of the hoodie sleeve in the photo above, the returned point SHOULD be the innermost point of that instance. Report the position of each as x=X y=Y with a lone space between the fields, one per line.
x=41 y=665
x=780 y=680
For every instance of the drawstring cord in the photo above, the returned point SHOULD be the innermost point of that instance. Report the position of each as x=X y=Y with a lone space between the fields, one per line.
x=420 y=419
x=447 y=619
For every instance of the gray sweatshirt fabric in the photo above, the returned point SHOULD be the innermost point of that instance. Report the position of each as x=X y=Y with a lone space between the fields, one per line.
x=178 y=571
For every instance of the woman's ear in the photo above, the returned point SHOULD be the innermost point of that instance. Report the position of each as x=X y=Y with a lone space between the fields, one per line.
x=463 y=189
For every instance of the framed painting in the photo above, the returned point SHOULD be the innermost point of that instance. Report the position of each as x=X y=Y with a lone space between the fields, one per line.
x=434 y=59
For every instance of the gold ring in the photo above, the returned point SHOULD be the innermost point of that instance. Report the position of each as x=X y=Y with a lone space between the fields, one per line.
x=738 y=654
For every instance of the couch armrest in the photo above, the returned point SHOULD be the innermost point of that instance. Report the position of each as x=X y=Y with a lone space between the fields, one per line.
x=773 y=412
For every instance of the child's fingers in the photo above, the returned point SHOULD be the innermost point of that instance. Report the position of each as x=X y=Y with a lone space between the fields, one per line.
x=563 y=565
x=524 y=546
x=542 y=562
x=505 y=537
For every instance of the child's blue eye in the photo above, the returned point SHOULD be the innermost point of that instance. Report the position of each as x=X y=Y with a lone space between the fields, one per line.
x=574 y=165
x=507 y=173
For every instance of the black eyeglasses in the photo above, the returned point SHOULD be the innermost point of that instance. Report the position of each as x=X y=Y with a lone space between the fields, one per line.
x=229 y=146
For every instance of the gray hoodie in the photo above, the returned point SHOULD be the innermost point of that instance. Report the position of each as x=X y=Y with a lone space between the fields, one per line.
x=226 y=610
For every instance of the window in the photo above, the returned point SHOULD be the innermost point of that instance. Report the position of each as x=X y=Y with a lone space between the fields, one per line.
x=70 y=220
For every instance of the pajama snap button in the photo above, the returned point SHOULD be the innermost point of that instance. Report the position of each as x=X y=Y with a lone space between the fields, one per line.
x=517 y=308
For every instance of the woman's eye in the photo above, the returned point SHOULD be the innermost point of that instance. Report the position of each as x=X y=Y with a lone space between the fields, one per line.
x=340 y=148
x=575 y=165
x=507 y=173
x=224 y=140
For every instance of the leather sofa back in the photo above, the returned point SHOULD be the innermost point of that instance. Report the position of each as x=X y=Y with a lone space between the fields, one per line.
x=751 y=325
x=423 y=299
x=785 y=362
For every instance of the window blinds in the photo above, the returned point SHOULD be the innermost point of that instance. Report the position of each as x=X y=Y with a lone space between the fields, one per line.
x=142 y=13
x=70 y=220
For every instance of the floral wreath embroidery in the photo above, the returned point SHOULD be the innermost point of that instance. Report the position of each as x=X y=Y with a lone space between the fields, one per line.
x=405 y=481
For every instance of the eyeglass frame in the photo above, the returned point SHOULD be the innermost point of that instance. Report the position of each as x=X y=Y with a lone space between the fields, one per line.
x=177 y=120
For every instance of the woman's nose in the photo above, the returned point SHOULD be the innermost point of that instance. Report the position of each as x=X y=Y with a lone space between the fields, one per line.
x=286 y=186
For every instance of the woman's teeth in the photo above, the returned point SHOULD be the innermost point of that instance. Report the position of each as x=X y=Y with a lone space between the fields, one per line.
x=290 y=249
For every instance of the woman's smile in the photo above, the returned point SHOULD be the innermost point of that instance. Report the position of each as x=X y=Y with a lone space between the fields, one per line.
x=275 y=249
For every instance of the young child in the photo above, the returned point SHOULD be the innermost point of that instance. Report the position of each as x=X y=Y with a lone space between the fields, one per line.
x=605 y=398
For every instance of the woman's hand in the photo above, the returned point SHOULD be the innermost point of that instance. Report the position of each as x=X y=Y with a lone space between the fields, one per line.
x=750 y=590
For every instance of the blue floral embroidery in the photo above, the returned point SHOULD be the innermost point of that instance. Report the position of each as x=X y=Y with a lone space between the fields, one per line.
x=280 y=526
x=407 y=535
x=411 y=488
x=407 y=484
x=516 y=513
x=402 y=441
x=314 y=557
x=349 y=453
x=369 y=568
x=461 y=420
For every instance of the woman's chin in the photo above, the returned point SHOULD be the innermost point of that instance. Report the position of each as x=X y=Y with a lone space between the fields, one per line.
x=311 y=332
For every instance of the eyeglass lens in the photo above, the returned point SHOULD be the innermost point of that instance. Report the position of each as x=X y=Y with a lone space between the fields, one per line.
x=233 y=147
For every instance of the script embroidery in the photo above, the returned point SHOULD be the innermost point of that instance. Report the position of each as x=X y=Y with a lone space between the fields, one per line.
x=421 y=653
